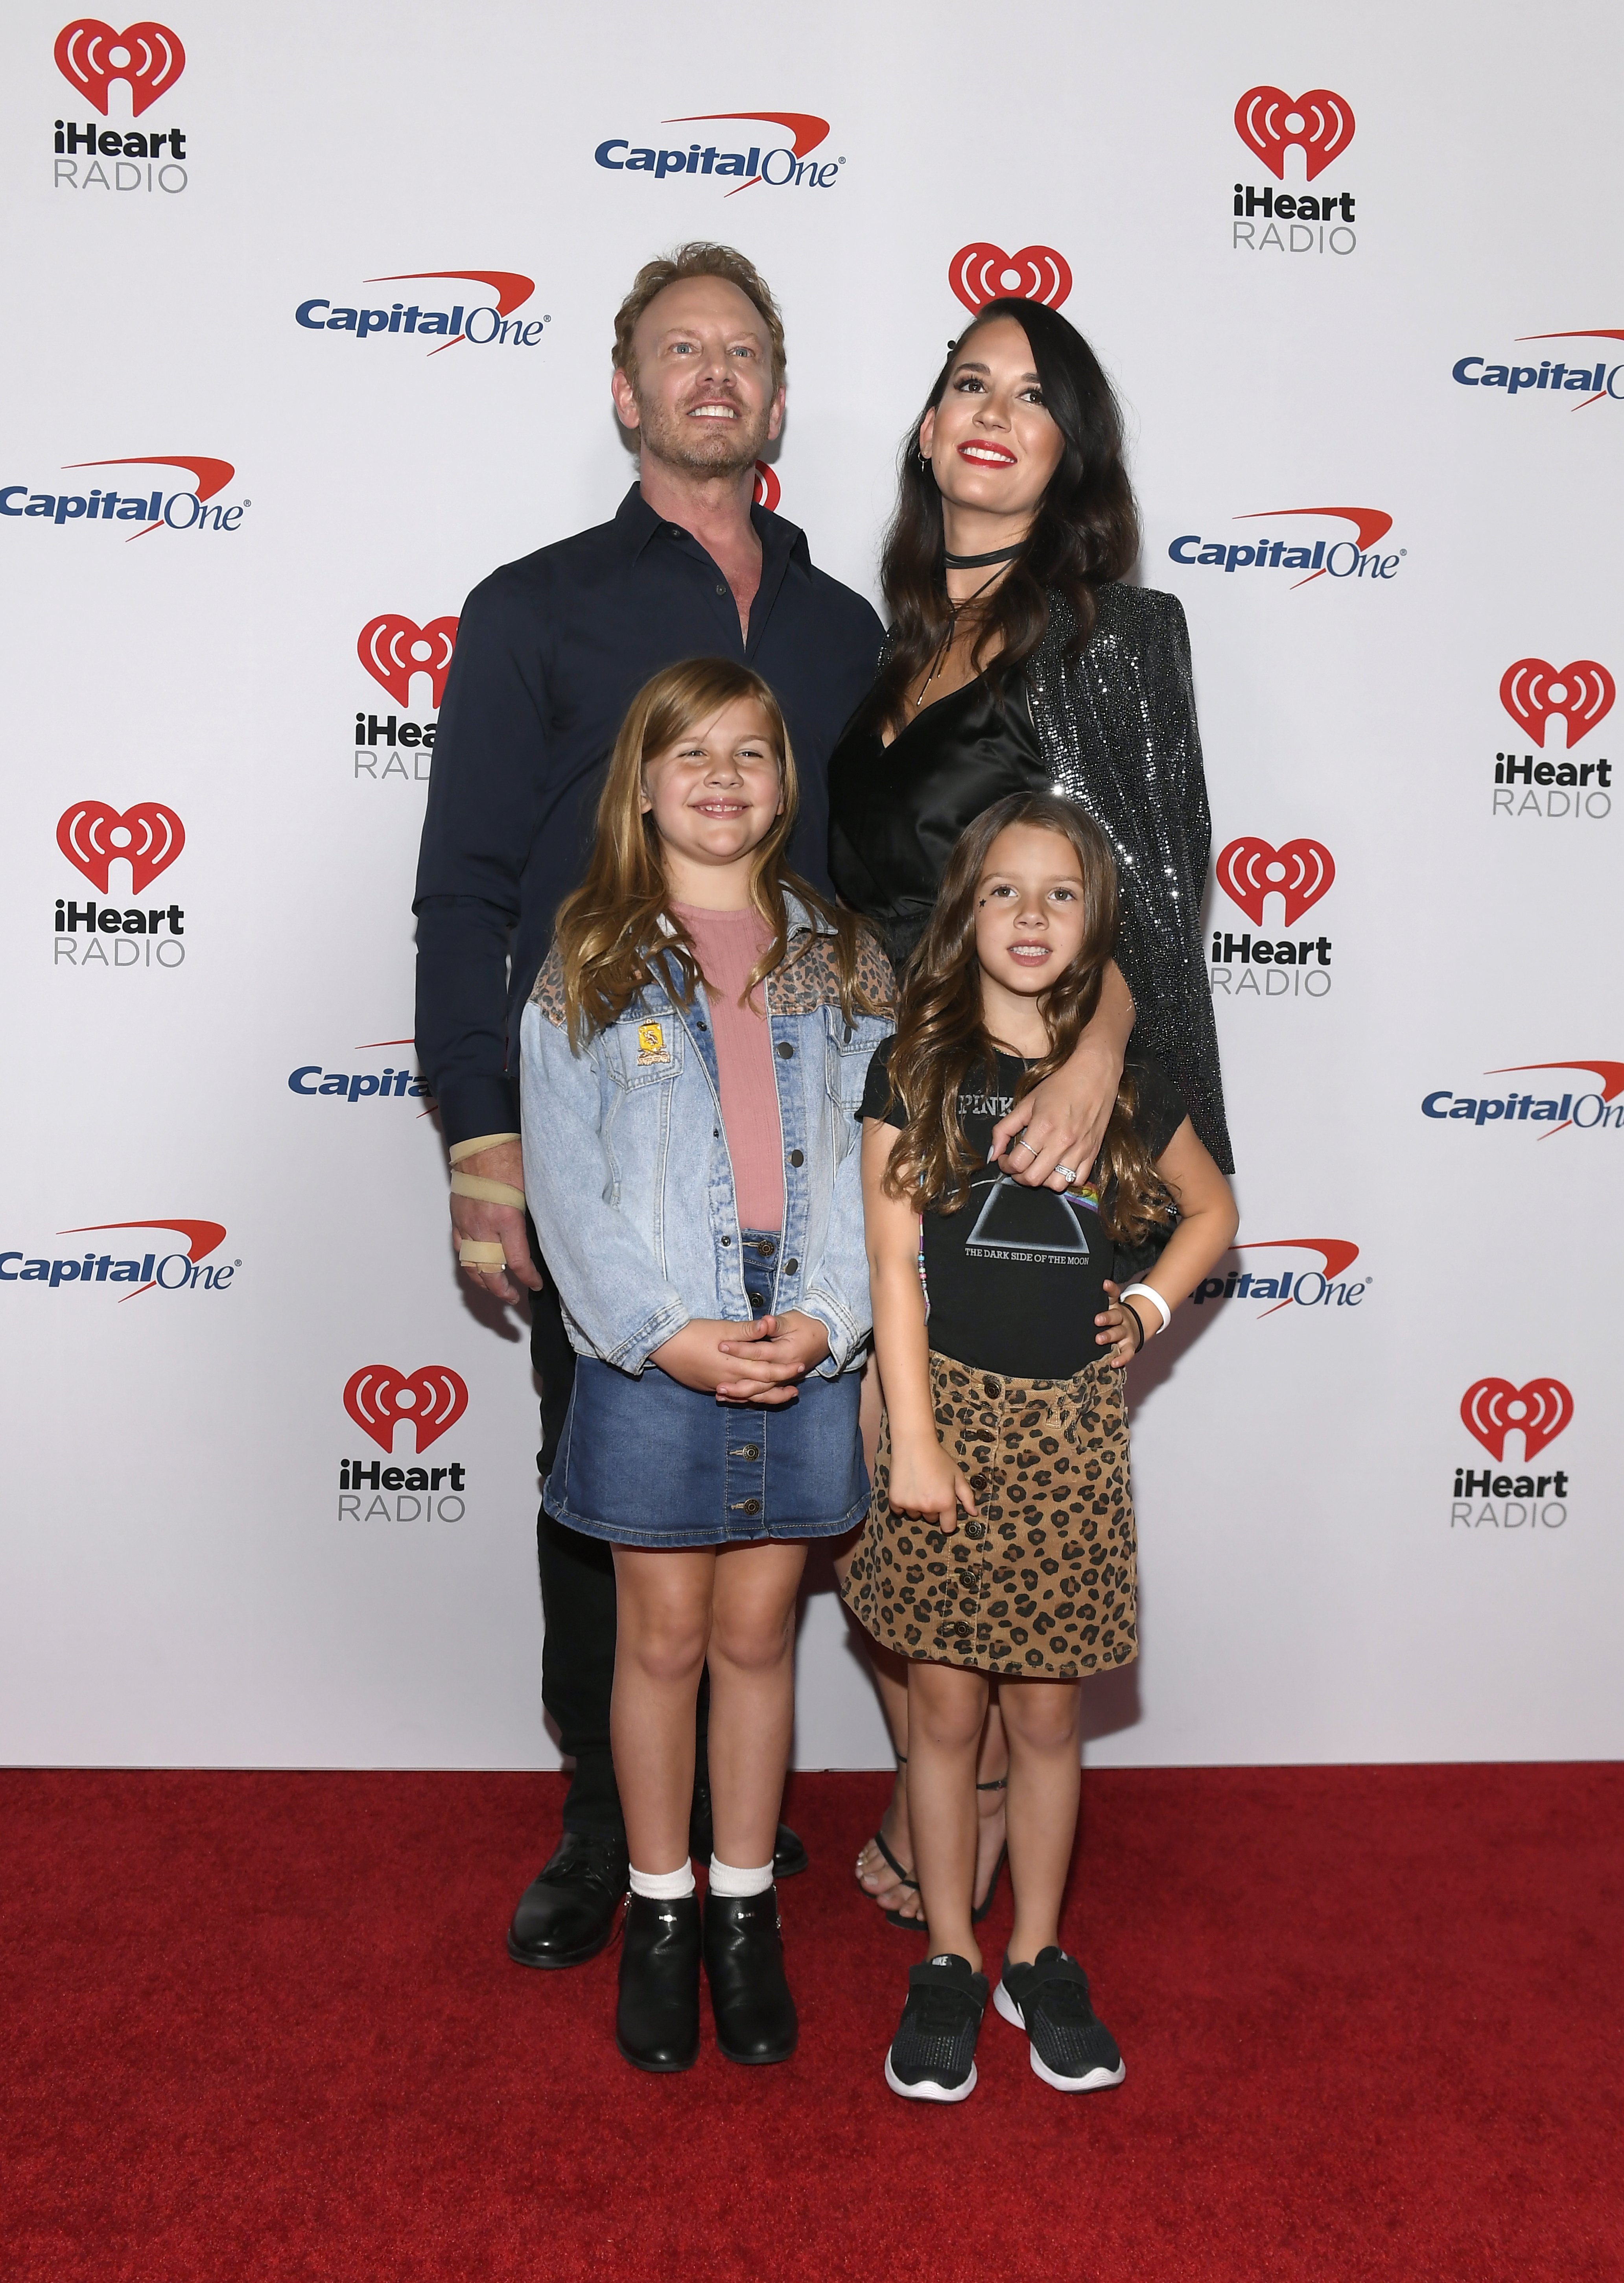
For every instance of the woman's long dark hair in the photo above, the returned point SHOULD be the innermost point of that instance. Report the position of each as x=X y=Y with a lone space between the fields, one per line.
x=1085 y=532
x=942 y=1034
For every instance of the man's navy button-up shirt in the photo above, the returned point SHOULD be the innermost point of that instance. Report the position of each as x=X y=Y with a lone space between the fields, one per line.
x=549 y=653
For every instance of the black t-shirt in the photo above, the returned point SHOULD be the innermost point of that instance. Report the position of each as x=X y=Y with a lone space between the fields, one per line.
x=1015 y=1277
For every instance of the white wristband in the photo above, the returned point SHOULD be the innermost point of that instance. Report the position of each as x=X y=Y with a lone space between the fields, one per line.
x=1129 y=1291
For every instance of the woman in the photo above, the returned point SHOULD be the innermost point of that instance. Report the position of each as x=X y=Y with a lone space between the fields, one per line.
x=1017 y=662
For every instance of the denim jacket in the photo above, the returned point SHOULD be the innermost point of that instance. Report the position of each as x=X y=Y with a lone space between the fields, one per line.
x=626 y=1168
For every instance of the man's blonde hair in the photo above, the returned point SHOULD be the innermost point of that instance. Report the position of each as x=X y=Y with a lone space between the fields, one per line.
x=697 y=259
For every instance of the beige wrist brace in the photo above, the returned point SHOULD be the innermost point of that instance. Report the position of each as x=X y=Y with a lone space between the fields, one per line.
x=471 y=1149
x=479 y=1252
x=488 y=1192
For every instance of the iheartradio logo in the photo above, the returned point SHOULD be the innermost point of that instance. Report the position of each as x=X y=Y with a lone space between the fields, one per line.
x=392 y=649
x=1540 y=1411
x=90 y=55
x=1298 y=872
x=431 y=1399
x=1270 y=121
x=768 y=491
x=1535 y=693
x=93 y=835
x=983 y=273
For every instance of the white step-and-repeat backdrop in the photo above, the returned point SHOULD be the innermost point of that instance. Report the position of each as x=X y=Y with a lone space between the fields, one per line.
x=311 y=309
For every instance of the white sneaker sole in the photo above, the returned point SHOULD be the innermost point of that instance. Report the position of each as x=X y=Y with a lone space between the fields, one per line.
x=926 y=2091
x=1096 y=2080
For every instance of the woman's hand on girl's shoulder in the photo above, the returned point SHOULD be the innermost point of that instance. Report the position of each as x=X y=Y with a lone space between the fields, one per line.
x=925 y=1484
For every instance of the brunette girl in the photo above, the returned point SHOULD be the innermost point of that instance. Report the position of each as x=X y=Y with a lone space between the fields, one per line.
x=693 y=1058
x=1000 y=1542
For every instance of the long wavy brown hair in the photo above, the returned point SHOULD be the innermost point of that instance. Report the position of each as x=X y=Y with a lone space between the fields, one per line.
x=617 y=931
x=942 y=1040
x=1086 y=530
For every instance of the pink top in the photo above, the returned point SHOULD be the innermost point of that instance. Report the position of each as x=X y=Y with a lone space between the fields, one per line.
x=728 y=945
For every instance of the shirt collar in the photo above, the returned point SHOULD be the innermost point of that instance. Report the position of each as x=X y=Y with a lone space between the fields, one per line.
x=782 y=541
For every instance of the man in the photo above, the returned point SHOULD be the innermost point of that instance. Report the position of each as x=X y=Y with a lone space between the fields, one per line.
x=550 y=652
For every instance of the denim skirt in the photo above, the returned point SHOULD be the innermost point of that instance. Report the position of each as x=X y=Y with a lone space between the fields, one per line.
x=647 y=1462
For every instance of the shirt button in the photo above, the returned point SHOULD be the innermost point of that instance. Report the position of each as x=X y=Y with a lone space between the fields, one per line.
x=785 y=1049
x=791 y=1267
x=797 y=1157
x=722 y=590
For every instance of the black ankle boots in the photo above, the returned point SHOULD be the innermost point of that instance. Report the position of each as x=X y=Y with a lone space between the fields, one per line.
x=744 y=1964
x=657 y=2019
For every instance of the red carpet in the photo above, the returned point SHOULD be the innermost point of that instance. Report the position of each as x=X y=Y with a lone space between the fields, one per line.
x=264 y=2026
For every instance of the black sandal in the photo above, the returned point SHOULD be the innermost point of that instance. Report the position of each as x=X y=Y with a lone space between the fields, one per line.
x=895 y=1918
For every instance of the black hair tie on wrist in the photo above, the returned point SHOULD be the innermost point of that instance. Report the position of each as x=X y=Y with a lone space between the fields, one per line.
x=1138 y=1323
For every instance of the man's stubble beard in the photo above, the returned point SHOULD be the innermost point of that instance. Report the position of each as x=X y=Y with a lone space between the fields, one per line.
x=711 y=448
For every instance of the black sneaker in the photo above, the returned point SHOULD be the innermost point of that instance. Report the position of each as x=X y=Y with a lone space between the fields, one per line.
x=1072 y=2049
x=932 y=2054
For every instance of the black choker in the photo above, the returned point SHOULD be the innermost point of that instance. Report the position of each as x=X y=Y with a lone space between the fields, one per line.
x=979 y=562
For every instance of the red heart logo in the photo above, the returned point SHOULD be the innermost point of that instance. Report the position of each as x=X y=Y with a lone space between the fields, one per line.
x=1532 y=692
x=768 y=490
x=92 y=833
x=1492 y=1407
x=392 y=649
x=1299 y=870
x=433 y=1399
x=1268 y=120
x=90 y=55
x=982 y=273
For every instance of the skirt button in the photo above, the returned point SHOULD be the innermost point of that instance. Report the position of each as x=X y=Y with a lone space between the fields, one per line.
x=991 y=1388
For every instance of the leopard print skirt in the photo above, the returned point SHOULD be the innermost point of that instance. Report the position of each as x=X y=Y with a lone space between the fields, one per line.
x=1044 y=1582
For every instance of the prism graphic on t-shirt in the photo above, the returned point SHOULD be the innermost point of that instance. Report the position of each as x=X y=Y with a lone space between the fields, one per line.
x=1042 y=1224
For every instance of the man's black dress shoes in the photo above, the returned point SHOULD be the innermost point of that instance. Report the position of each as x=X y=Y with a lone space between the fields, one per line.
x=657 y=2015
x=789 y=1855
x=744 y=1964
x=566 y=1914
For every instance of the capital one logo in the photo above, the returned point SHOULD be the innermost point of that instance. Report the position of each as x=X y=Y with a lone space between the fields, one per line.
x=1319 y=557
x=1492 y=1408
x=392 y=649
x=90 y=55
x=1270 y=121
x=103 y=504
x=431 y=1399
x=93 y=835
x=1324 y=1286
x=983 y=272
x=786 y=167
x=1597 y=1107
x=479 y=326
x=1535 y=693
x=167 y=1272
x=1298 y=872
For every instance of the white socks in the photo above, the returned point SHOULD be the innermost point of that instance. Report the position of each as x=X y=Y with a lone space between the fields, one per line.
x=663 y=1886
x=671 y=1886
x=724 y=1880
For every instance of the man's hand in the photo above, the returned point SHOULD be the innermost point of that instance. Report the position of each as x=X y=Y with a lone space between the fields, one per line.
x=504 y=1224
x=1051 y=1137
x=925 y=1483
x=784 y=1350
